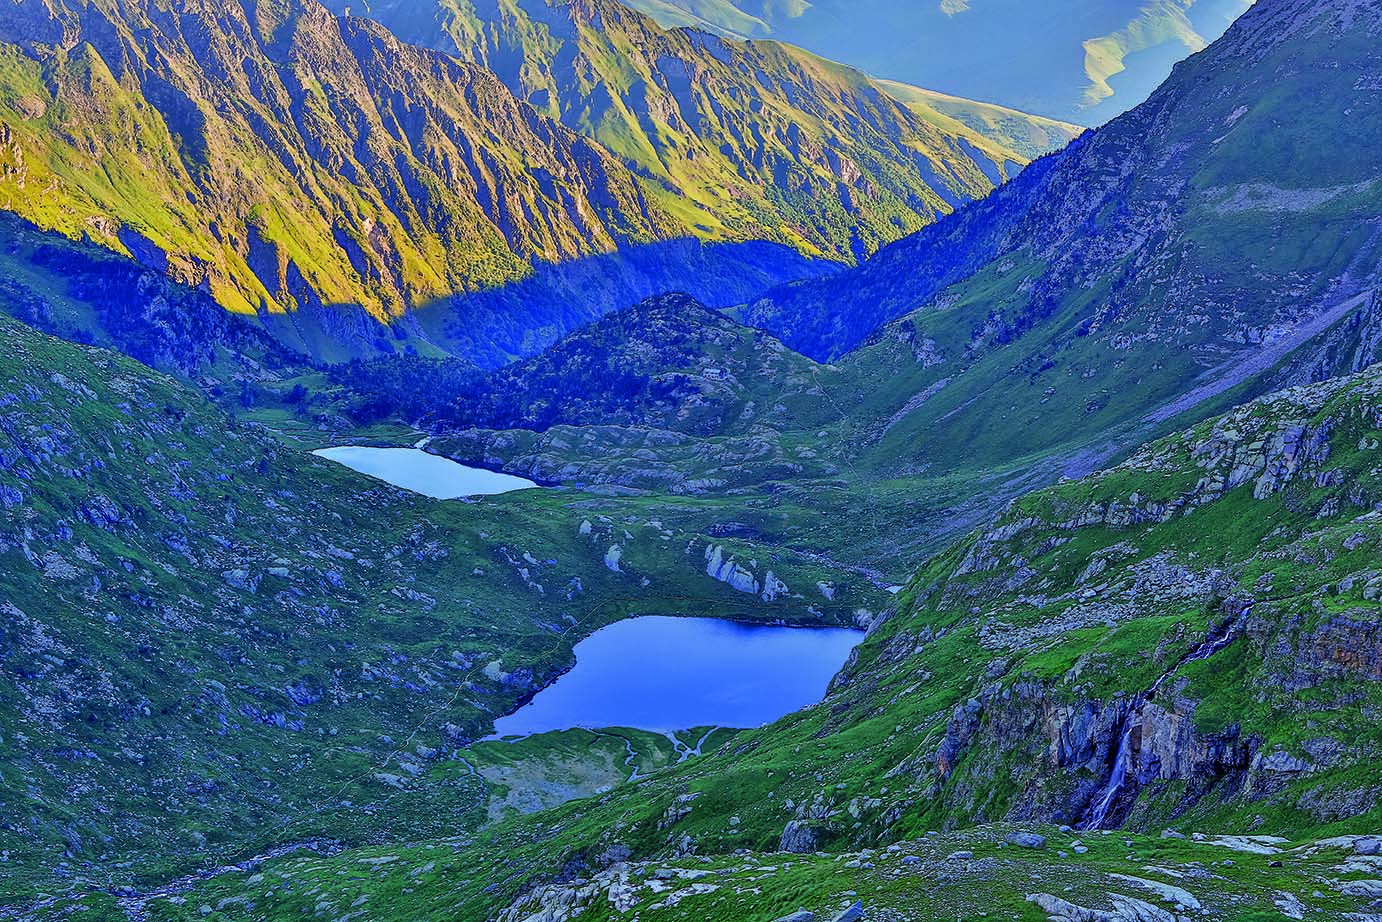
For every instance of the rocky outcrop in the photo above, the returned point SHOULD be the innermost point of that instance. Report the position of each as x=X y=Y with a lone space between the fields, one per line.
x=1125 y=909
x=1080 y=560
x=800 y=837
x=1057 y=741
x=728 y=571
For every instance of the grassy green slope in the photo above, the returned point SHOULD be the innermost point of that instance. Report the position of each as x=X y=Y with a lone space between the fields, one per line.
x=1028 y=135
x=214 y=644
x=739 y=140
x=1215 y=597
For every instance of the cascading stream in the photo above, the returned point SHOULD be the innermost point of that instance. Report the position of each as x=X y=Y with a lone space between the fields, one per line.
x=1122 y=762
x=1119 y=775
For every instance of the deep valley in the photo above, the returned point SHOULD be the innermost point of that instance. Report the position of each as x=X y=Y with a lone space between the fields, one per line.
x=575 y=462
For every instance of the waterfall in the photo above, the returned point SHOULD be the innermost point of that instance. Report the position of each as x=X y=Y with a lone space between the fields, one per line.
x=1099 y=811
x=1216 y=640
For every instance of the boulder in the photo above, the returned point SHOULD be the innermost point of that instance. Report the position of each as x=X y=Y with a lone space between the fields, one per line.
x=1026 y=839
x=852 y=914
x=799 y=838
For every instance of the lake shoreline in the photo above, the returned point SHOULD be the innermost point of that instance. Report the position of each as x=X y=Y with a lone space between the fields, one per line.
x=694 y=671
x=419 y=471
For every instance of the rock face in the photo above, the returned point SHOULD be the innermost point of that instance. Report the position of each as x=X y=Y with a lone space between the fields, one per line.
x=771 y=143
x=1145 y=743
x=319 y=105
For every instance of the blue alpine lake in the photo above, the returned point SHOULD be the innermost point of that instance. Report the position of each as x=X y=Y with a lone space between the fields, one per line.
x=663 y=674
x=431 y=475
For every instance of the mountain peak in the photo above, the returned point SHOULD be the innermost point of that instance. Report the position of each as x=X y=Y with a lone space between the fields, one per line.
x=743 y=141
x=1228 y=222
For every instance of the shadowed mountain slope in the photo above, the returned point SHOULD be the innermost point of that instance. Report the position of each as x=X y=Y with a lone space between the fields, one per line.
x=1178 y=258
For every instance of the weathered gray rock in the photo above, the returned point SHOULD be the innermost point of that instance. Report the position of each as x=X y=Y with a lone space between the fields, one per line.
x=800 y=915
x=729 y=571
x=1126 y=909
x=1372 y=889
x=799 y=838
x=852 y=914
x=242 y=580
x=1026 y=839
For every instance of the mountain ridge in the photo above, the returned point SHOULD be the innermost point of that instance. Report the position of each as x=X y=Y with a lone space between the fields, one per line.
x=758 y=140
x=437 y=208
x=1108 y=280
x=1087 y=65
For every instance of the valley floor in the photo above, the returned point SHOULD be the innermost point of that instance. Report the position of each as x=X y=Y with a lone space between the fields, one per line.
x=1032 y=874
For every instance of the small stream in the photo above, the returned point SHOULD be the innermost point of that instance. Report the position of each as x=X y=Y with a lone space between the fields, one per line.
x=1118 y=776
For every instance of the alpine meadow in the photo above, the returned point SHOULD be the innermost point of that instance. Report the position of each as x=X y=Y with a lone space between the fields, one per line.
x=691 y=460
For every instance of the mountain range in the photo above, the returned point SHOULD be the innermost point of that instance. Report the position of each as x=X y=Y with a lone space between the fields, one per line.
x=1191 y=251
x=758 y=140
x=1091 y=460
x=1086 y=64
x=360 y=193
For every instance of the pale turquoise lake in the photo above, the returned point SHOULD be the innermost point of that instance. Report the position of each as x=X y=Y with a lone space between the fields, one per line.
x=416 y=470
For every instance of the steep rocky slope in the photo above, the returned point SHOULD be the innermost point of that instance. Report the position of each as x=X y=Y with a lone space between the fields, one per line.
x=282 y=157
x=1187 y=641
x=1218 y=240
x=739 y=141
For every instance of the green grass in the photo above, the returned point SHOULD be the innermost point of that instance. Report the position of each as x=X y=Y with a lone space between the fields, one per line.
x=141 y=672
